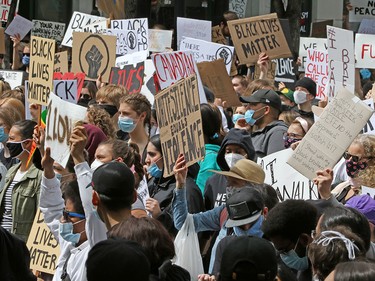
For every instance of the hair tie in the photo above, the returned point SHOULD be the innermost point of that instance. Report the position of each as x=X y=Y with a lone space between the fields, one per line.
x=304 y=124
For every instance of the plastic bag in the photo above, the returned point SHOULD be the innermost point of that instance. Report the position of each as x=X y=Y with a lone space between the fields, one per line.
x=187 y=249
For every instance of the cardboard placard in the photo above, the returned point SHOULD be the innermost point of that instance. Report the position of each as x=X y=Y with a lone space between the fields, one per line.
x=180 y=123
x=80 y=77
x=2 y=41
x=270 y=73
x=319 y=29
x=239 y=7
x=365 y=50
x=139 y=28
x=42 y=58
x=159 y=40
x=215 y=77
x=96 y=27
x=367 y=26
x=93 y=54
x=61 y=117
x=61 y=62
x=126 y=41
x=48 y=29
x=285 y=72
x=14 y=78
x=330 y=136
x=288 y=183
x=252 y=36
x=66 y=90
x=217 y=35
x=316 y=68
x=306 y=43
x=44 y=248
x=19 y=25
x=198 y=29
x=362 y=9
x=130 y=77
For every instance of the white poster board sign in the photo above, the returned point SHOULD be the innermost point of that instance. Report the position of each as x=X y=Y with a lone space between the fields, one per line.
x=132 y=58
x=19 y=25
x=96 y=27
x=198 y=29
x=306 y=43
x=66 y=90
x=148 y=87
x=365 y=50
x=367 y=26
x=239 y=7
x=316 y=68
x=4 y=9
x=127 y=41
x=368 y=190
x=159 y=40
x=369 y=128
x=14 y=78
x=362 y=9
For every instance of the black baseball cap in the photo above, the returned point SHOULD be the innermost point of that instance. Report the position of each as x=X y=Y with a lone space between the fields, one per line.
x=269 y=97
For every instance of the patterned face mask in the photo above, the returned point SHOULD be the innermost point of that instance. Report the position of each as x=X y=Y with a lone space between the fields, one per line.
x=353 y=168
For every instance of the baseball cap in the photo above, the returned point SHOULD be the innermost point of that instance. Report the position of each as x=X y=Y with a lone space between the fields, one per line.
x=246 y=170
x=244 y=206
x=269 y=97
x=248 y=258
x=364 y=204
x=287 y=93
x=308 y=84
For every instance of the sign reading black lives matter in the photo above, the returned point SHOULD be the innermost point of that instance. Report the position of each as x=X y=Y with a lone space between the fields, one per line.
x=179 y=118
x=42 y=56
x=252 y=36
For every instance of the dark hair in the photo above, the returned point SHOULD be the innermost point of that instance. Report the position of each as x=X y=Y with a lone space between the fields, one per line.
x=70 y=190
x=284 y=273
x=91 y=87
x=289 y=219
x=26 y=128
x=228 y=16
x=269 y=195
x=355 y=271
x=155 y=140
x=211 y=124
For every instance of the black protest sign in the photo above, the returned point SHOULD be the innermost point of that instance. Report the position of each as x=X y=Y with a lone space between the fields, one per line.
x=285 y=72
x=48 y=29
x=130 y=77
x=180 y=123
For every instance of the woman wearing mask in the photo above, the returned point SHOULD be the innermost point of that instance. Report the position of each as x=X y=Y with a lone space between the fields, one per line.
x=296 y=131
x=20 y=196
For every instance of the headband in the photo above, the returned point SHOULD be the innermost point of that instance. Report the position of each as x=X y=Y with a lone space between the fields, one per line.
x=304 y=124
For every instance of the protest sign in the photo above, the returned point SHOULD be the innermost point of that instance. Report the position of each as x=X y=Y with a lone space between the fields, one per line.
x=48 y=29
x=306 y=43
x=19 y=25
x=179 y=119
x=133 y=58
x=14 y=78
x=285 y=72
x=44 y=248
x=66 y=90
x=215 y=77
x=316 y=68
x=365 y=50
x=42 y=57
x=93 y=54
x=329 y=137
x=368 y=190
x=198 y=29
x=208 y=51
x=148 y=87
x=61 y=62
x=367 y=26
x=288 y=183
x=341 y=60
x=130 y=77
x=239 y=7
x=4 y=9
x=369 y=128
x=2 y=41
x=159 y=40
x=80 y=77
x=319 y=29
x=77 y=22
x=171 y=67
x=362 y=9
x=217 y=35
x=61 y=117
x=270 y=73
x=252 y=36
x=126 y=41
x=137 y=30
x=96 y=27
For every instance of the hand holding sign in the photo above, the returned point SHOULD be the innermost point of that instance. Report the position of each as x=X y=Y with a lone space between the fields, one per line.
x=77 y=141
x=94 y=59
x=180 y=171
x=324 y=181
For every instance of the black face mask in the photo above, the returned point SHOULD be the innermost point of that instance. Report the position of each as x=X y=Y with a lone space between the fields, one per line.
x=15 y=148
x=111 y=109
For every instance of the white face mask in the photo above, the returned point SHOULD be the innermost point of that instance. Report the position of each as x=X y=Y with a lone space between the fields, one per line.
x=96 y=164
x=232 y=159
x=300 y=97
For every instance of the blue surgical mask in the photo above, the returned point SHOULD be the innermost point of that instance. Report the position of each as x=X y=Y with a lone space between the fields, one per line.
x=292 y=260
x=66 y=232
x=3 y=135
x=236 y=117
x=154 y=171
x=26 y=60
x=254 y=230
x=59 y=177
x=249 y=116
x=126 y=124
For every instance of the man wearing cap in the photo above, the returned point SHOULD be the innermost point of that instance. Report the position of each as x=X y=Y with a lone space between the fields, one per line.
x=263 y=110
x=304 y=94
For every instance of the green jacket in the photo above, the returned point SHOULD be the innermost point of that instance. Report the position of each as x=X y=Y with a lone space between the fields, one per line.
x=25 y=199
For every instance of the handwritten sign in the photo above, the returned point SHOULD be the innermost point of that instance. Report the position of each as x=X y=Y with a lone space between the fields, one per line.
x=43 y=247
x=252 y=36
x=159 y=40
x=60 y=121
x=367 y=26
x=42 y=57
x=66 y=90
x=48 y=29
x=365 y=50
x=80 y=77
x=130 y=77
x=316 y=68
x=61 y=62
x=148 y=87
x=77 y=22
x=4 y=9
x=208 y=51
x=93 y=54
x=180 y=123
x=330 y=136
x=19 y=25
x=285 y=72
x=238 y=6
x=288 y=183
x=96 y=27
x=362 y=9
x=217 y=35
x=127 y=41
x=14 y=78
x=198 y=29
x=306 y=43
x=2 y=41
x=369 y=128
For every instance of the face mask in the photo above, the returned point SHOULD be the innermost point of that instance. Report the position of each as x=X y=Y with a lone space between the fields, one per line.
x=154 y=170
x=59 y=177
x=288 y=142
x=66 y=232
x=96 y=164
x=300 y=97
x=353 y=168
x=25 y=60
x=292 y=260
x=111 y=109
x=233 y=158
x=3 y=135
x=249 y=116
x=236 y=117
x=15 y=148
x=126 y=124
x=252 y=231
x=230 y=190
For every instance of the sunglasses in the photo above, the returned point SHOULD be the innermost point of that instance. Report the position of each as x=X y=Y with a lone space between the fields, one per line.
x=67 y=215
x=26 y=54
x=355 y=158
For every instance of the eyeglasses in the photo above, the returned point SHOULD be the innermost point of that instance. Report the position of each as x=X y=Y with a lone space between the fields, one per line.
x=67 y=215
x=292 y=136
x=355 y=158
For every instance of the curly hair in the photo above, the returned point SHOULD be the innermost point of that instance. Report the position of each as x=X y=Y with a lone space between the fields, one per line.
x=367 y=176
x=100 y=118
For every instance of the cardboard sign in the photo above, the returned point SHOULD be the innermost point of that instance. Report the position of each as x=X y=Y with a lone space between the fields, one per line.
x=130 y=77
x=61 y=62
x=133 y=58
x=330 y=136
x=96 y=27
x=139 y=29
x=319 y=29
x=239 y=7
x=288 y=183
x=317 y=69
x=14 y=78
x=159 y=40
x=270 y=73
x=215 y=77
x=42 y=57
x=217 y=35
x=48 y=29
x=66 y=90
x=362 y=9
x=61 y=117
x=365 y=50
x=93 y=54
x=341 y=60
x=2 y=41
x=367 y=26
x=208 y=51
x=198 y=29
x=285 y=72
x=180 y=123
x=171 y=67
x=369 y=128
x=80 y=77
x=306 y=43
x=77 y=22
x=126 y=41
x=19 y=25
x=252 y=36
x=44 y=248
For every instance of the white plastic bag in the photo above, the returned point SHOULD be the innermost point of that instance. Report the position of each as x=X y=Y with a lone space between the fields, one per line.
x=187 y=249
